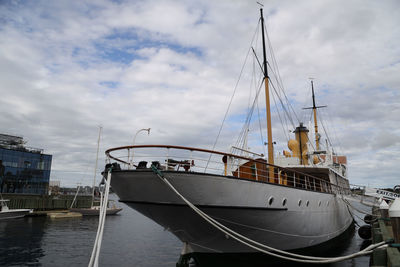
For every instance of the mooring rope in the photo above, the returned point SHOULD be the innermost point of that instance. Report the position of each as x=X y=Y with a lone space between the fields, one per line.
x=246 y=241
x=94 y=259
x=361 y=211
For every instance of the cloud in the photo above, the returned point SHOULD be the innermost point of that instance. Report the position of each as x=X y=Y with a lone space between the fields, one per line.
x=67 y=67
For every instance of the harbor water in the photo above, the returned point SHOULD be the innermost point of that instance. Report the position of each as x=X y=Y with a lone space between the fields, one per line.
x=130 y=239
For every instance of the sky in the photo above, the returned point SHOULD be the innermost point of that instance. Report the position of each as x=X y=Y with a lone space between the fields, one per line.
x=67 y=67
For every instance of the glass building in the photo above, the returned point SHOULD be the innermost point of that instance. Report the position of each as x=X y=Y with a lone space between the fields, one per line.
x=23 y=170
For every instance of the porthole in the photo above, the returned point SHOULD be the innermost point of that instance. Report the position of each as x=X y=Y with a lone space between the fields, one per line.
x=271 y=200
x=307 y=203
x=284 y=202
x=299 y=202
x=319 y=203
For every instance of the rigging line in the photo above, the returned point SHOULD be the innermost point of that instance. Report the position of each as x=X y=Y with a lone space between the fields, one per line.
x=283 y=106
x=251 y=86
x=287 y=117
x=284 y=109
x=258 y=108
x=234 y=91
x=277 y=110
x=325 y=130
x=287 y=103
x=335 y=135
x=249 y=115
x=259 y=64
x=243 y=133
x=303 y=113
x=326 y=134
x=248 y=119
x=311 y=114
x=259 y=123
x=278 y=73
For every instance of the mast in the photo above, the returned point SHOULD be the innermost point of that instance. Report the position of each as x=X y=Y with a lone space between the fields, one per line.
x=315 y=118
x=95 y=168
x=314 y=108
x=267 y=103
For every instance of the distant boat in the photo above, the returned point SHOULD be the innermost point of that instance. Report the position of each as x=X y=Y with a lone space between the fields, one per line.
x=292 y=201
x=7 y=213
x=95 y=210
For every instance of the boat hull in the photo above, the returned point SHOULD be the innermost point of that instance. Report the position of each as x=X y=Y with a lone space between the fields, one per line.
x=95 y=212
x=278 y=216
x=14 y=213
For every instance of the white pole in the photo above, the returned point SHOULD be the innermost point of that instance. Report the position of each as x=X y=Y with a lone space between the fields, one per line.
x=95 y=168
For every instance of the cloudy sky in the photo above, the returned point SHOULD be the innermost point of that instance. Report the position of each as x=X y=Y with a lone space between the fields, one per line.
x=67 y=67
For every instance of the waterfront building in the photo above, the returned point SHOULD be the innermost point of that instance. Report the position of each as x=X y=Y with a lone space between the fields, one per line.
x=23 y=169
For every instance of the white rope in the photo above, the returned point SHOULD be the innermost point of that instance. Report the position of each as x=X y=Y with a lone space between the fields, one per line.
x=94 y=259
x=238 y=237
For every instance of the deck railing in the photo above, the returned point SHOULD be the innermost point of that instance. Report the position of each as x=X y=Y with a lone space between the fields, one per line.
x=189 y=159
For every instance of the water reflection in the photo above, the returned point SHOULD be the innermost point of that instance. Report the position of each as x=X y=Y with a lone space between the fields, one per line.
x=130 y=239
x=20 y=241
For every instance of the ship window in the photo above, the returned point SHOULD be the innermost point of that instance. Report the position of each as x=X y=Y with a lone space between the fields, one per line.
x=299 y=202
x=319 y=203
x=284 y=202
x=307 y=203
x=270 y=200
x=327 y=203
x=253 y=170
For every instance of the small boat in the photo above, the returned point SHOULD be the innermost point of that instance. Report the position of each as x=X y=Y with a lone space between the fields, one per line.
x=290 y=201
x=112 y=209
x=6 y=213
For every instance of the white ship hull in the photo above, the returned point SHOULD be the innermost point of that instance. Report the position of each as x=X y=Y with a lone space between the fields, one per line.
x=242 y=205
x=14 y=213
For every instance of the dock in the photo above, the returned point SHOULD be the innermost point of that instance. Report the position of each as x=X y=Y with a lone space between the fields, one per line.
x=381 y=231
x=62 y=215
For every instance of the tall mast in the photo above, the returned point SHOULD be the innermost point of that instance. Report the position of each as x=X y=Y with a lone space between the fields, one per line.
x=315 y=118
x=267 y=102
x=314 y=108
x=95 y=167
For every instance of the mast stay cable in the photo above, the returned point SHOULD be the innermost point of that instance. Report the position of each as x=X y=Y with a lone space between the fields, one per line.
x=234 y=92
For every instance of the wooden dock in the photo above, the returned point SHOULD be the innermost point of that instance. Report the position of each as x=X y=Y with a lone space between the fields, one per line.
x=382 y=231
x=63 y=215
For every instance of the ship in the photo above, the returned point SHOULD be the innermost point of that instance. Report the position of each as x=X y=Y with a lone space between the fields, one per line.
x=289 y=202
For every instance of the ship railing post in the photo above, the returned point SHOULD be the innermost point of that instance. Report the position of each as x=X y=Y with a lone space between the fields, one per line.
x=167 y=161
x=255 y=167
x=314 y=184
x=238 y=168
x=129 y=156
x=279 y=176
x=294 y=179
x=229 y=165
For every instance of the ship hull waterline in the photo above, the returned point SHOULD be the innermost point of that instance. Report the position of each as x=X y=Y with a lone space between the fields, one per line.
x=294 y=218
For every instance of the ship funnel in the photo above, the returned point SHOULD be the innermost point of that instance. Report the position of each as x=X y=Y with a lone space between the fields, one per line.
x=301 y=133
